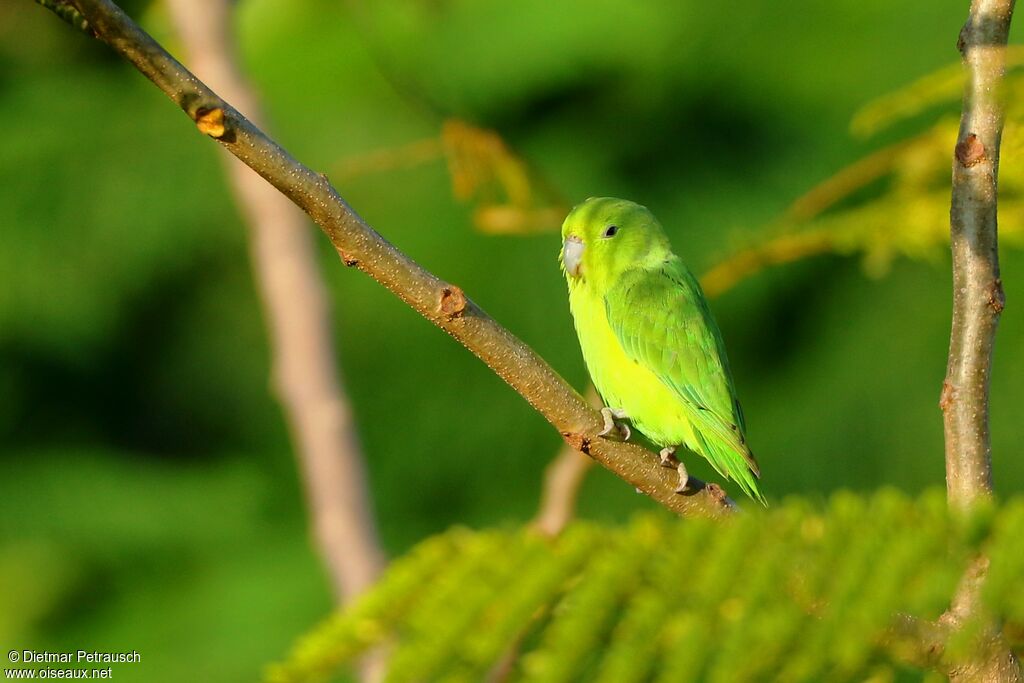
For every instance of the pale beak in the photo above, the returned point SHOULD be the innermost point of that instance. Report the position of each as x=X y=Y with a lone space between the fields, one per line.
x=572 y=255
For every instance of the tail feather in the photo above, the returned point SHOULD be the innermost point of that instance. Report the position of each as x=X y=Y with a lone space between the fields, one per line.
x=732 y=464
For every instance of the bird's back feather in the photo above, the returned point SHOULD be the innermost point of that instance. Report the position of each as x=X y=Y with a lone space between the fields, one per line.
x=661 y=319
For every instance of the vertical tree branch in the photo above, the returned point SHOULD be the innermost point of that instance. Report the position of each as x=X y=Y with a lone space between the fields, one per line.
x=563 y=478
x=977 y=303
x=992 y=660
x=977 y=290
x=305 y=374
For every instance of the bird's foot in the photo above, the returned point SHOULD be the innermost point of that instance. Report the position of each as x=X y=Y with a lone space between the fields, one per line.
x=669 y=459
x=684 y=478
x=610 y=415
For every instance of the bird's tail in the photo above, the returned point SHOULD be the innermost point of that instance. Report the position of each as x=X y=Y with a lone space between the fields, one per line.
x=732 y=464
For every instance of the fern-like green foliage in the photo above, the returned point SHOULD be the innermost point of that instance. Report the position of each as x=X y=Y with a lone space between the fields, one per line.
x=894 y=202
x=796 y=593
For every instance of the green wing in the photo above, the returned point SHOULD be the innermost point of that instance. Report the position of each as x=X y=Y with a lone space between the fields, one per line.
x=662 y=320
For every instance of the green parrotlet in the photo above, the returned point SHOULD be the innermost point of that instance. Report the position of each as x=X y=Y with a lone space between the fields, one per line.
x=649 y=340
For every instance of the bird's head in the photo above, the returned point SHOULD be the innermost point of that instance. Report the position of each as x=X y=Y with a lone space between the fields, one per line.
x=603 y=237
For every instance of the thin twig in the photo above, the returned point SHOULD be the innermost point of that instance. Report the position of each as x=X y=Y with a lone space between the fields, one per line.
x=305 y=374
x=837 y=187
x=66 y=11
x=563 y=478
x=922 y=643
x=977 y=303
x=918 y=642
x=389 y=159
x=977 y=289
x=785 y=248
x=441 y=303
x=991 y=658
x=788 y=245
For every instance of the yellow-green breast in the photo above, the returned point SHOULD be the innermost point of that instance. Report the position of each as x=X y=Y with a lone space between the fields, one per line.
x=623 y=383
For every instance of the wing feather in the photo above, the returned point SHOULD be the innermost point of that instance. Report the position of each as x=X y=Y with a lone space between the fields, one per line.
x=661 y=318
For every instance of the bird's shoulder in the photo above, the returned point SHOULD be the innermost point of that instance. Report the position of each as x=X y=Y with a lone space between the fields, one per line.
x=662 y=320
x=665 y=291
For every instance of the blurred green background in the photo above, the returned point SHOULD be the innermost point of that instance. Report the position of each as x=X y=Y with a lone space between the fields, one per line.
x=149 y=498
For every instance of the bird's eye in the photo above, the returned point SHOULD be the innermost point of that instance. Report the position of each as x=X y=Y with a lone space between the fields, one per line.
x=610 y=231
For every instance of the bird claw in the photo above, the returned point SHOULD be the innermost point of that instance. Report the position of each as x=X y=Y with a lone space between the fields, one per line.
x=684 y=479
x=669 y=459
x=610 y=415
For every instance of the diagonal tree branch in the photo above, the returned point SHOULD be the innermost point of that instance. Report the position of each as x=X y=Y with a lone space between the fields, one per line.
x=305 y=374
x=360 y=246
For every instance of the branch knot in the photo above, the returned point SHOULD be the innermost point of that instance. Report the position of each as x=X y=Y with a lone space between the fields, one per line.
x=214 y=122
x=347 y=258
x=577 y=442
x=947 y=396
x=961 y=39
x=452 y=302
x=996 y=296
x=970 y=151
